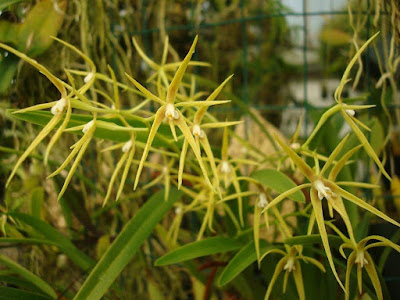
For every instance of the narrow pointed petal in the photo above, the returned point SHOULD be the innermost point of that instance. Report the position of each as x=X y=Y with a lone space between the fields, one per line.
x=256 y=232
x=311 y=223
x=201 y=103
x=350 y=263
x=358 y=184
x=159 y=117
x=182 y=162
x=35 y=107
x=45 y=131
x=165 y=51
x=304 y=168
x=58 y=134
x=125 y=172
x=114 y=176
x=367 y=146
x=150 y=62
x=73 y=168
x=220 y=124
x=363 y=204
x=172 y=127
x=341 y=163
x=278 y=269
x=189 y=137
x=346 y=73
x=54 y=80
x=334 y=154
x=373 y=275
x=326 y=115
x=317 y=207
x=173 y=87
x=224 y=149
x=337 y=204
x=207 y=149
x=298 y=279
x=200 y=113
x=145 y=91
x=314 y=262
x=69 y=158
x=285 y=195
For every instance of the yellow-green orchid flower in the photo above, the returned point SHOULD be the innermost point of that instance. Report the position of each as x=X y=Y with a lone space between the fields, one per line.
x=201 y=137
x=325 y=187
x=169 y=111
x=290 y=264
x=57 y=107
x=348 y=112
x=363 y=260
x=162 y=68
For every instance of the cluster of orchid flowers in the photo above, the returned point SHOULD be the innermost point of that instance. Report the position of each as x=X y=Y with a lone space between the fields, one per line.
x=209 y=187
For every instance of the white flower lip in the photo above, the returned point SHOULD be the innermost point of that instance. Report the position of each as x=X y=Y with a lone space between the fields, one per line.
x=350 y=112
x=171 y=112
x=58 y=108
x=262 y=202
x=225 y=167
x=323 y=191
x=88 y=77
x=289 y=266
x=87 y=126
x=197 y=131
x=295 y=146
x=360 y=259
x=127 y=146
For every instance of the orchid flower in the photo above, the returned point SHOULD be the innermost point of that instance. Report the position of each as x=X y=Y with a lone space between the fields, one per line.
x=348 y=112
x=325 y=187
x=290 y=263
x=58 y=108
x=363 y=260
x=163 y=67
x=201 y=136
x=169 y=111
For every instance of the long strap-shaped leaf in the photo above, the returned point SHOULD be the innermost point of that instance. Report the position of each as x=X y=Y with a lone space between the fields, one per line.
x=54 y=236
x=209 y=246
x=28 y=275
x=120 y=253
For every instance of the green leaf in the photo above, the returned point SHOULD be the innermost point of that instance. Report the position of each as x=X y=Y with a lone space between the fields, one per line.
x=41 y=23
x=8 y=68
x=28 y=275
x=51 y=234
x=6 y=3
x=278 y=182
x=18 y=282
x=244 y=258
x=196 y=249
x=12 y=240
x=311 y=239
x=7 y=293
x=121 y=251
